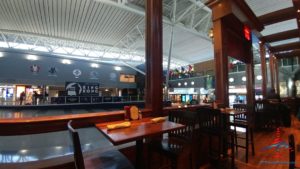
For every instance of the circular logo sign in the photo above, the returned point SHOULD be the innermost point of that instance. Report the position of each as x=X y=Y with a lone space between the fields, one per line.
x=77 y=73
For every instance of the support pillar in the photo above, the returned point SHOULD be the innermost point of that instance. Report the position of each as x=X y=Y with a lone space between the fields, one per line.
x=154 y=76
x=250 y=85
x=272 y=70
x=264 y=73
x=277 y=76
x=221 y=64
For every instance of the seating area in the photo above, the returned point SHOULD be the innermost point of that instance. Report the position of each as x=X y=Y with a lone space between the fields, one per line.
x=112 y=159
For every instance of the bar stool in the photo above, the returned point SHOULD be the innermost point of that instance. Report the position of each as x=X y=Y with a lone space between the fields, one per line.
x=179 y=143
x=243 y=121
x=214 y=124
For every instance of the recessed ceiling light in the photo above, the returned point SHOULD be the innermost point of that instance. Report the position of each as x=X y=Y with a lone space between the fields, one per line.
x=32 y=57
x=231 y=79
x=118 y=68
x=192 y=83
x=179 y=84
x=94 y=65
x=185 y=83
x=66 y=61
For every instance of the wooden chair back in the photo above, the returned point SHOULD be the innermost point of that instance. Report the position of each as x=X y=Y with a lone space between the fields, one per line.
x=187 y=118
x=241 y=117
x=210 y=120
x=78 y=157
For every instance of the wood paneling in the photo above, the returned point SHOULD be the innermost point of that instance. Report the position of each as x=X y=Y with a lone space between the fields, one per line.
x=154 y=76
x=282 y=36
x=277 y=16
x=285 y=47
x=221 y=63
x=293 y=53
x=57 y=123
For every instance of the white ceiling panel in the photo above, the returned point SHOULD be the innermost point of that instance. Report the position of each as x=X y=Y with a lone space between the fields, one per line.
x=261 y=7
x=80 y=20
x=280 y=27
x=285 y=42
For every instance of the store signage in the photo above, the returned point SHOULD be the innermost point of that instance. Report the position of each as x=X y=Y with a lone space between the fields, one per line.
x=82 y=89
x=247 y=32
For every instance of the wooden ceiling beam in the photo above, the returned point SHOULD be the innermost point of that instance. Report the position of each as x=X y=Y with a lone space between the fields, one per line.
x=278 y=16
x=294 y=53
x=282 y=36
x=296 y=4
x=285 y=47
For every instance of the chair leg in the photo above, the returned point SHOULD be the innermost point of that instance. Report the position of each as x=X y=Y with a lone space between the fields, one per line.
x=252 y=141
x=232 y=153
x=209 y=147
x=235 y=140
x=247 y=144
x=149 y=158
x=173 y=164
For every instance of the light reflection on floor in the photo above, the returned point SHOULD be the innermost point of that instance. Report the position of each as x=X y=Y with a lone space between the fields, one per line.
x=25 y=148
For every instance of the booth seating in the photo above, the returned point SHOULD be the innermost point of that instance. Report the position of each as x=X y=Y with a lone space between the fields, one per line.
x=243 y=121
x=179 y=144
x=111 y=159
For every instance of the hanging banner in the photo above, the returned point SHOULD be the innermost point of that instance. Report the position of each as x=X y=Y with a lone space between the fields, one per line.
x=82 y=89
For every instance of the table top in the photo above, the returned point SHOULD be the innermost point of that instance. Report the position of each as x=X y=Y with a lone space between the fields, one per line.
x=139 y=129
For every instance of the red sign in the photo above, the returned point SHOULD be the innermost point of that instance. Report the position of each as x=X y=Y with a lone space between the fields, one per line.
x=247 y=32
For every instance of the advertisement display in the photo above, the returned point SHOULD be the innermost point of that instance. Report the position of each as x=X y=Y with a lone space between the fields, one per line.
x=82 y=89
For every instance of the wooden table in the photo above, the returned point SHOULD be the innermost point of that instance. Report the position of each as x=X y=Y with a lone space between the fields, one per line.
x=138 y=130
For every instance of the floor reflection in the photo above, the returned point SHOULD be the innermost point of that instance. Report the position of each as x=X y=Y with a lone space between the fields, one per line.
x=26 y=148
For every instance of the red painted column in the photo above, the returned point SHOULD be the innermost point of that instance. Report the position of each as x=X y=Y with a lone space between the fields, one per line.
x=154 y=76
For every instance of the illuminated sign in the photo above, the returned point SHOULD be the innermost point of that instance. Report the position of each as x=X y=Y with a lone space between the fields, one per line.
x=247 y=32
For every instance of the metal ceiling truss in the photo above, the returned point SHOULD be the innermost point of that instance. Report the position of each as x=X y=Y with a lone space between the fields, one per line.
x=189 y=15
x=82 y=50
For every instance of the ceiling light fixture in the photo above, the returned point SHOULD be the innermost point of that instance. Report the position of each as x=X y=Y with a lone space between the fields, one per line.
x=1 y=54
x=185 y=83
x=94 y=65
x=231 y=79
x=66 y=61
x=179 y=84
x=118 y=68
x=32 y=57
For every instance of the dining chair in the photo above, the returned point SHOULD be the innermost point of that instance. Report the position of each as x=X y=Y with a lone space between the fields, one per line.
x=213 y=124
x=179 y=143
x=243 y=121
x=111 y=159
